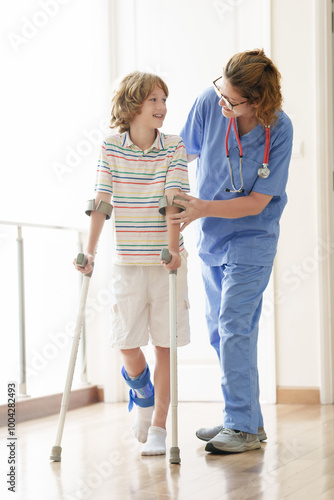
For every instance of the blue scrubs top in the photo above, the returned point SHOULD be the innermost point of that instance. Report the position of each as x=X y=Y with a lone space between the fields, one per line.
x=248 y=240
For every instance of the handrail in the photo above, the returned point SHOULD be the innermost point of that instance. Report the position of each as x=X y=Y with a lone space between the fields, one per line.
x=21 y=296
x=44 y=226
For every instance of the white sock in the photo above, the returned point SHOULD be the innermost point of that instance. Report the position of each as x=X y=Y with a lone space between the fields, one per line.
x=142 y=422
x=156 y=442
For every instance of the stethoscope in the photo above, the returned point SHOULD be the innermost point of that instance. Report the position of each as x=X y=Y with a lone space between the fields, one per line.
x=263 y=172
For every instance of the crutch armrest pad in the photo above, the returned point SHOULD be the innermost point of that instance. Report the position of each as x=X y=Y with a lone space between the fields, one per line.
x=90 y=206
x=163 y=204
x=103 y=206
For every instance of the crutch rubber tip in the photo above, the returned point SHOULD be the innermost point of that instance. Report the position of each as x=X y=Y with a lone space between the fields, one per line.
x=174 y=455
x=56 y=454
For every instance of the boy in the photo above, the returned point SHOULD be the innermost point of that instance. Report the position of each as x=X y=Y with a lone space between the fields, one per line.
x=137 y=168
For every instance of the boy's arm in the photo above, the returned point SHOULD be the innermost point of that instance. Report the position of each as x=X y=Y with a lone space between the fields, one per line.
x=191 y=158
x=173 y=231
x=97 y=220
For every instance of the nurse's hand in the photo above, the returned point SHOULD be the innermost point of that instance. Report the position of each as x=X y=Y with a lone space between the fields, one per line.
x=194 y=209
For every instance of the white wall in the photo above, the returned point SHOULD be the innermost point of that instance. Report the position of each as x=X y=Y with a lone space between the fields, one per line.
x=54 y=101
x=296 y=265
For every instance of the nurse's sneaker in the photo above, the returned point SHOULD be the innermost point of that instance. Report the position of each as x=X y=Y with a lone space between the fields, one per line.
x=261 y=434
x=207 y=433
x=232 y=441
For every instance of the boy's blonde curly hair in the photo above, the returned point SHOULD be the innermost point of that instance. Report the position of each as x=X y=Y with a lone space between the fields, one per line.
x=127 y=100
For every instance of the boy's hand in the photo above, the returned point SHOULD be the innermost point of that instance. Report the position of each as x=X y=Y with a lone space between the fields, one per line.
x=175 y=262
x=88 y=267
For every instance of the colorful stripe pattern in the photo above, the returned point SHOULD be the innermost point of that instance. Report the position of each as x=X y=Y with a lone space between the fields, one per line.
x=137 y=180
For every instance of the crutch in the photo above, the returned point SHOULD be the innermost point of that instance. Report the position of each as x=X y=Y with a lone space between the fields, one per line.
x=174 y=455
x=56 y=449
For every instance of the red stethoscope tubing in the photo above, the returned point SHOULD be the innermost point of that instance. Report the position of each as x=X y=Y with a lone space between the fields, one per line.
x=266 y=147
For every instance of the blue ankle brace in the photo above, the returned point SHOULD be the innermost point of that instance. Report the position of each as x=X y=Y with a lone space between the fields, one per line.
x=142 y=382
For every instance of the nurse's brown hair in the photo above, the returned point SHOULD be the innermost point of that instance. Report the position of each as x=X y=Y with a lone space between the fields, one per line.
x=255 y=77
x=128 y=98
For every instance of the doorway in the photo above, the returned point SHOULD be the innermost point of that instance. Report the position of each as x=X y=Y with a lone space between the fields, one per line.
x=324 y=15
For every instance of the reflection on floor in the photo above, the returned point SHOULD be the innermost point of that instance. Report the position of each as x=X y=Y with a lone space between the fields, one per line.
x=101 y=460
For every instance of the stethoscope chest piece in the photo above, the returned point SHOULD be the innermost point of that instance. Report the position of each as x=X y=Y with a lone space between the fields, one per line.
x=263 y=172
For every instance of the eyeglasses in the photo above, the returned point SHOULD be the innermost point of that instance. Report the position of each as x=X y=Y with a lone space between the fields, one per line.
x=229 y=105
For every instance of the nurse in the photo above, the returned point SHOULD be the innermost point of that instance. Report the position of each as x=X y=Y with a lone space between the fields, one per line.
x=231 y=128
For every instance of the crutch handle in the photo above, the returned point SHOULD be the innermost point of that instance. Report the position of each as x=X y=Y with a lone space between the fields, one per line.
x=165 y=256
x=81 y=261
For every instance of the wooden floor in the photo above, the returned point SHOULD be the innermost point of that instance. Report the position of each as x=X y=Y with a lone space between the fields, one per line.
x=101 y=461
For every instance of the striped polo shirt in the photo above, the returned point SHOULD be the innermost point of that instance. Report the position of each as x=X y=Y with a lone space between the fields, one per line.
x=136 y=180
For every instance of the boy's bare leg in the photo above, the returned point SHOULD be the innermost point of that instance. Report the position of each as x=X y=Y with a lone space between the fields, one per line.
x=134 y=361
x=161 y=386
x=156 y=440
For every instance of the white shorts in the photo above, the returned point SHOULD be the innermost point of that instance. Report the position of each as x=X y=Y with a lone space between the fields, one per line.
x=140 y=306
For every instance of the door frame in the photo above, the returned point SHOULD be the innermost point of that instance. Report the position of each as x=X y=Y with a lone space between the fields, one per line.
x=324 y=131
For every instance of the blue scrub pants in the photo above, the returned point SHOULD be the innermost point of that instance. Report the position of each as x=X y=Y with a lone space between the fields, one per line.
x=233 y=308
